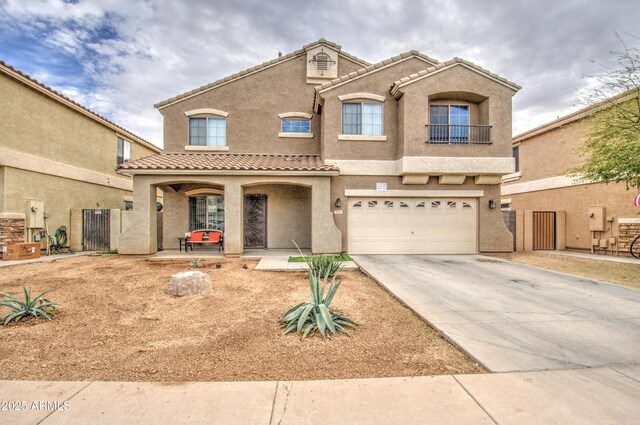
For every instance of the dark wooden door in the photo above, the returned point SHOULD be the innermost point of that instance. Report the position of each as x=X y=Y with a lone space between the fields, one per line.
x=544 y=230
x=96 y=230
x=255 y=221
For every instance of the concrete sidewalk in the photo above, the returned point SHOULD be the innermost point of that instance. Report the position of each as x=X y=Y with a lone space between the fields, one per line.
x=577 y=396
x=44 y=259
x=599 y=257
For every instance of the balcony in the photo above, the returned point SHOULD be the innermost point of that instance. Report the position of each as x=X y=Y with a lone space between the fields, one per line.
x=457 y=134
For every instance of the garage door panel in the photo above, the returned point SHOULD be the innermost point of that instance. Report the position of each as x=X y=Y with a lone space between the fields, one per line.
x=406 y=225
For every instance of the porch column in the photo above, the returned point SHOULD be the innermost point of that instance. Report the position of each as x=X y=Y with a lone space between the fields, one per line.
x=175 y=217
x=325 y=236
x=233 y=229
x=139 y=235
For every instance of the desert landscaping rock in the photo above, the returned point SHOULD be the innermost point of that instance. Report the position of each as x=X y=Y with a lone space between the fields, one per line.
x=189 y=283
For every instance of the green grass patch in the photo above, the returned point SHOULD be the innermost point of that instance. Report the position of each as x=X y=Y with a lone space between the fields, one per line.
x=341 y=257
x=111 y=251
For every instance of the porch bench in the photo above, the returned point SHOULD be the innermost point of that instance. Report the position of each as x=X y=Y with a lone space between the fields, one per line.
x=202 y=237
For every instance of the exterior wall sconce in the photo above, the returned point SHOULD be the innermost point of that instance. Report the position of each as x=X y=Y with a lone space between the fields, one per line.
x=492 y=204
x=338 y=203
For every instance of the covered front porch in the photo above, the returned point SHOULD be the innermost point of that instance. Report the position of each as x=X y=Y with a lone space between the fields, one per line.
x=254 y=210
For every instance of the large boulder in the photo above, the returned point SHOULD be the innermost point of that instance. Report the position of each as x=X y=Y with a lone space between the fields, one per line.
x=189 y=283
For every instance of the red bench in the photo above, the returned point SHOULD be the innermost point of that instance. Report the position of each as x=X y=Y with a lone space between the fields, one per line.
x=204 y=236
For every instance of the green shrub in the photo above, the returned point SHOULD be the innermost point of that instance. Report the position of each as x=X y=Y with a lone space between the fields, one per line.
x=196 y=263
x=306 y=318
x=35 y=307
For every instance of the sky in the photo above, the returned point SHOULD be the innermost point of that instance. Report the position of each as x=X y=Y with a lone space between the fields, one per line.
x=120 y=57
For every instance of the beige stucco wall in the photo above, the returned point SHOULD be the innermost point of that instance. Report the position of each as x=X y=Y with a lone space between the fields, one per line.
x=493 y=235
x=2 y=189
x=576 y=201
x=253 y=104
x=138 y=236
x=377 y=83
x=552 y=153
x=58 y=194
x=489 y=101
x=35 y=124
x=288 y=214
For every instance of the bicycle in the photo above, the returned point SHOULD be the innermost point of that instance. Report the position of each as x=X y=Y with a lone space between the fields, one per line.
x=634 y=248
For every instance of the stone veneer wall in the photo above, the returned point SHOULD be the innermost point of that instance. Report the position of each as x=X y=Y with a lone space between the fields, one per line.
x=627 y=232
x=11 y=231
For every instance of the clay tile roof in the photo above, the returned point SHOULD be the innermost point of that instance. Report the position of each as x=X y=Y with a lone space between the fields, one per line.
x=449 y=63
x=227 y=162
x=259 y=67
x=8 y=69
x=374 y=66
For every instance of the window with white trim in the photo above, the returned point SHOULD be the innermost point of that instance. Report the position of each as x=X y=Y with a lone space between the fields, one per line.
x=362 y=119
x=124 y=151
x=208 y=131
x=295 y=125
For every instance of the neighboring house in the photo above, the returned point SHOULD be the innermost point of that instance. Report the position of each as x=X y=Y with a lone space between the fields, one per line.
x=57 y=156
x=562 y=211
x=324 y=149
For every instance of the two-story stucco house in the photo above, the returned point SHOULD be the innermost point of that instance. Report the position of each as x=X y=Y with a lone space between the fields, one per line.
x=57 y=156
x=322 y=148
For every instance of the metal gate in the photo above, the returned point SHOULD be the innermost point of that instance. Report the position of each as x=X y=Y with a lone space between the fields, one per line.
x=96 y=230
x=544 y=230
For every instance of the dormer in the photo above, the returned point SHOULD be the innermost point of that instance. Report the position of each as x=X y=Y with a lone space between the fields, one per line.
x=322 y=63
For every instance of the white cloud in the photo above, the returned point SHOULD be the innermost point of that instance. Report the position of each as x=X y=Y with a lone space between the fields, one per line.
x=138 y=53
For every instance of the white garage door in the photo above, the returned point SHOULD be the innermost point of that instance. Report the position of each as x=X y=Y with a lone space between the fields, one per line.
x=412 y=226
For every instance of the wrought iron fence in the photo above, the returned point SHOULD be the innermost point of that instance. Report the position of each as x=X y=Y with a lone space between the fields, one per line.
x=456 y=134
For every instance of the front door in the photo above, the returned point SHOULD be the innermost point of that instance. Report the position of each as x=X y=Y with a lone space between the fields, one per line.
x=255 y=221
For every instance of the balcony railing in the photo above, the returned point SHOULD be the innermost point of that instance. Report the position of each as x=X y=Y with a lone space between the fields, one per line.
x=455 y=134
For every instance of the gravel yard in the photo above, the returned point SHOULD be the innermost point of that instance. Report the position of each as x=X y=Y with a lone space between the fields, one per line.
x=116 y=323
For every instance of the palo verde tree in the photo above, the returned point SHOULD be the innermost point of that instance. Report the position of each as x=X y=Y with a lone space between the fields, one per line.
x=612 y=147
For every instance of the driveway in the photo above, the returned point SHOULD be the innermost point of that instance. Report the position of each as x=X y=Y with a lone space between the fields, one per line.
x=514 y=317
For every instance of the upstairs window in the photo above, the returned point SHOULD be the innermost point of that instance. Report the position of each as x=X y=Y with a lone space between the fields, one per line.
x=449 y=124
x=123 y=151
x=362 y=119
x=208 y=131
x=516 y=156
x=296 y=126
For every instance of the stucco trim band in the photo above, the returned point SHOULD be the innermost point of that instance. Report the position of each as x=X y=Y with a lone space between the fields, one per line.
x=357 y=96
x=207 y=111
x=428 y=165
x=295 y=115
x=557 y=182
x=256 y=173
x=206 y=148
x=23 y=161
x=366 y=193
x=436 y=165
x=624 y=220
x=296 y=135
x=13 y=216
x=362 y=138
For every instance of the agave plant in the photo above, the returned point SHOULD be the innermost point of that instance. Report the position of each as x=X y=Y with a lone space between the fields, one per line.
x=324 y=264
x=38 y=306
x=195 y=263
x=307 y=317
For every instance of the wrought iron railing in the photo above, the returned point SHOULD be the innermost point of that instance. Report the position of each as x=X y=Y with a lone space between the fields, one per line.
x=456 y=134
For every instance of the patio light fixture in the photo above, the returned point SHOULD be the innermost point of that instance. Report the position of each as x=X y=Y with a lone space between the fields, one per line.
x=338 y=203
x=492 y=204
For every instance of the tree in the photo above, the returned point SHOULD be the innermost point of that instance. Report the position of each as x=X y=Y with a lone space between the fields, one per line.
x=612 y=146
